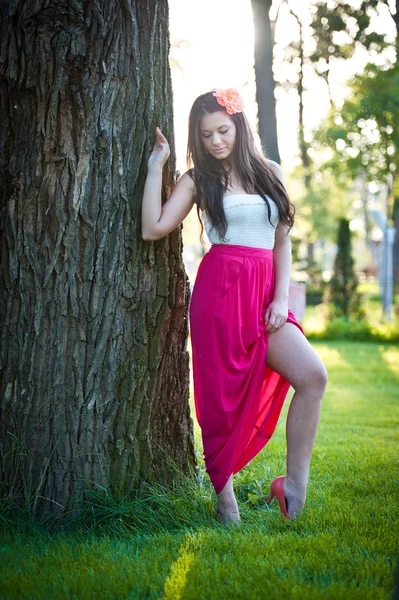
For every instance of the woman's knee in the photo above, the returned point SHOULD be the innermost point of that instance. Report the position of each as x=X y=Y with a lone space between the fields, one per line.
x=313 y=379
x=291 y=355
x=322 y=376
x=316 y=378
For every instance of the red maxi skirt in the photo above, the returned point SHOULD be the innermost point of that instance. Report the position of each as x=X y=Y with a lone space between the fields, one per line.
x=238 y=399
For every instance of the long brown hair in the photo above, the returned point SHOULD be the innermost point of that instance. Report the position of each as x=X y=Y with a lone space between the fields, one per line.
x=211 y=179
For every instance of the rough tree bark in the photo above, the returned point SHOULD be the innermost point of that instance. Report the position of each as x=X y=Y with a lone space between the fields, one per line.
x=265 y=84
x=94 y=378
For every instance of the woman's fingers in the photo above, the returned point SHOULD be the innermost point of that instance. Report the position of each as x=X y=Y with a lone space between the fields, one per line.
x=270 y=325
x=271 y=319
x=274 y=323
x=160 y=136
x=160 y=152
x=160 y=139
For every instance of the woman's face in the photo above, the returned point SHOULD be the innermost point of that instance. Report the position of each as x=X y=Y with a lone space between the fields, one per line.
x=218 y=134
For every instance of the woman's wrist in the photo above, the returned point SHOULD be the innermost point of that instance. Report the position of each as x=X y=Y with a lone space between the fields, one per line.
x=155 y=168
x=281 y=297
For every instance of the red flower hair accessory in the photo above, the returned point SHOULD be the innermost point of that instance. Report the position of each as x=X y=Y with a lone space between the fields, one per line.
x=230 y=99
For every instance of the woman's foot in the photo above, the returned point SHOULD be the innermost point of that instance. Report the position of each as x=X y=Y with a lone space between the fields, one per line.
x=290 y=498
x=227 y=508
x=295 y=498
x=227 y=514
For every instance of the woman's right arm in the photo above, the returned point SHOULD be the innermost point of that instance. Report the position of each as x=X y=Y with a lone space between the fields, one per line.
x=158 y=221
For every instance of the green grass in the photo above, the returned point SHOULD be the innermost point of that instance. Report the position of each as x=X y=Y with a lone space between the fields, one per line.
x=169 y=546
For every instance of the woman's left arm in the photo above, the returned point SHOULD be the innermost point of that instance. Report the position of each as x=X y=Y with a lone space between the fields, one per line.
x=277 y=311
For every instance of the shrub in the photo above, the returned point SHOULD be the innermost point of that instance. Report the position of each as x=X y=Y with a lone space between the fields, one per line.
x=342 y=328
x=342 y=295
x=314 y=295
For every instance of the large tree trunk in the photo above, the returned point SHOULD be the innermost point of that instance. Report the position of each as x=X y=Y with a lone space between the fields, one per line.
x=94 y=378
x=265 y=83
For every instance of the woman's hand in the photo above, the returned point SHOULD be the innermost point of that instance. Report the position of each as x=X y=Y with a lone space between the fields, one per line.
x=276 y=315
x=160 y=152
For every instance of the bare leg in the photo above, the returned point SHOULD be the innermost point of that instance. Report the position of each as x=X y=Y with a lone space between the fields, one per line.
x=291 y=355
x=227 y=504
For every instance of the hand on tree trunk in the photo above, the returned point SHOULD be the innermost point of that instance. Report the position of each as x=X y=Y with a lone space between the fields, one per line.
x=160 y=152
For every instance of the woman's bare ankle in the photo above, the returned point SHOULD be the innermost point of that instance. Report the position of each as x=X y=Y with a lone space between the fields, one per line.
x=295 y=489
x=227 y=511
x=227 y=502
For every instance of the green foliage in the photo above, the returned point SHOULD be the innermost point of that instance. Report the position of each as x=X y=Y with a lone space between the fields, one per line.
x=313 y=271
x=363 y=135
x=318 y=211
x=324 y=203
x=314 y=295
x=152 y=509
x=320 y=324
x=342 y=295
x=341 y=328
x=330 y=18
x=344 y=547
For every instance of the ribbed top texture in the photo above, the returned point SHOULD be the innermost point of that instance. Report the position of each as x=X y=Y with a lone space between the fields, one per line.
x=247 y=222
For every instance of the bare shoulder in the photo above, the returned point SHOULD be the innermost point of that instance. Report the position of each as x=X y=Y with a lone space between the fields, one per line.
x=188 y=177
x=277 y=169
x=186 y=181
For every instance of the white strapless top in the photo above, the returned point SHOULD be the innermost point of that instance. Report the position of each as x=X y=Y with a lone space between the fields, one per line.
x=247 y=221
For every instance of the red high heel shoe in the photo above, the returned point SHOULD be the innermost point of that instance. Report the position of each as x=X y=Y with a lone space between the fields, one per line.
x=277 y=489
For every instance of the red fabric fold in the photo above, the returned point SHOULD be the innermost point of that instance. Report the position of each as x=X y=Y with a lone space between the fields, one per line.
x=238 y=399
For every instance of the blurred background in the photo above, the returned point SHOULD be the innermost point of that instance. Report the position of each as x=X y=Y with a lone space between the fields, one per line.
x=329 y=73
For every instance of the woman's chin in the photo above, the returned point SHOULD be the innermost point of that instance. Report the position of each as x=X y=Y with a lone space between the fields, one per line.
x=222 y=155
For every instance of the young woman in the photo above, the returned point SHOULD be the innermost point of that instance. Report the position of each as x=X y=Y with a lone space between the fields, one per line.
x=247 y=346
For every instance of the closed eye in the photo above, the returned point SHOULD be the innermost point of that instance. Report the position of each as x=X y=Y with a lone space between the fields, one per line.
x=209 y=135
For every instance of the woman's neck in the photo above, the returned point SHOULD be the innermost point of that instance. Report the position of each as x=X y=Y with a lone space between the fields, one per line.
x=228 y=165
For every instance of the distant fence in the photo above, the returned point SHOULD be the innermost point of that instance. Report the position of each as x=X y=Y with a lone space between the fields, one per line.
x=297 y=299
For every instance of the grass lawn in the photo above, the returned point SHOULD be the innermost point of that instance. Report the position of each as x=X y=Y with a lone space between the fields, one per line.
x=344 y=546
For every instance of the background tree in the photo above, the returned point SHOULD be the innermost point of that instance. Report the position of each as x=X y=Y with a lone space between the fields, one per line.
x=339 y=29
x=395 y=189
x=265 y=84
x=94 y=367
x=295 y=55
x=332 y=32
x=343 y=297
x=363 y=134
x=364 y=140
